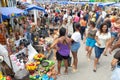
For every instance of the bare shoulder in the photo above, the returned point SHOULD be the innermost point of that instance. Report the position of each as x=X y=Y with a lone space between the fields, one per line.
x=68 y=39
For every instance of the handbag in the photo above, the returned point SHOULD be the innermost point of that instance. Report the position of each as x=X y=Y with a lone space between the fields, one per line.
x=69 y=61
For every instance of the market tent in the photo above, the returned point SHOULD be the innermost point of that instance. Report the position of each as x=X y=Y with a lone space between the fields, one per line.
x=25 y=3
x=32 y=7
x=106 y=4
x=62 y=2
x=71 y=2
x=93 y=3
x=116 y=5
x=35 y=7
x=8 y=12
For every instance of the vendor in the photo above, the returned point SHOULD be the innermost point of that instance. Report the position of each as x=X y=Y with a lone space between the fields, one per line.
x=2 y=35
x=10 y=46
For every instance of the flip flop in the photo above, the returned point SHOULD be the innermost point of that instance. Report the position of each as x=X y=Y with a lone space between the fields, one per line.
x=58 y=74
x=74 y=70
x=94 y=70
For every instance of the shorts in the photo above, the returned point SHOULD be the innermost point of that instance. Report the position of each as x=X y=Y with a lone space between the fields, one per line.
x=59 y=57
x=75 y=46
x=114 y=34
x=98 y=52
x=90 y=42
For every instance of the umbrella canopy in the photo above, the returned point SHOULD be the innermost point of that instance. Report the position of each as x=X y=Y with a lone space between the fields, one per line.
x=32 y=6
x=8 y=12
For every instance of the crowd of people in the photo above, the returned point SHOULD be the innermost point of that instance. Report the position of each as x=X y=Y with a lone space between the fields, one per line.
x=96 y=27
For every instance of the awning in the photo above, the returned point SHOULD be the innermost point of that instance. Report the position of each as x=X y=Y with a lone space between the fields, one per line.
x=106 y=4
x=116 y=5
x=32 y=7
x=8 y=12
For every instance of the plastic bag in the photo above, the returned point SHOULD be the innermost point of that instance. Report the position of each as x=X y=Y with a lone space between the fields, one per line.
x=22 y=75
x=116 y=74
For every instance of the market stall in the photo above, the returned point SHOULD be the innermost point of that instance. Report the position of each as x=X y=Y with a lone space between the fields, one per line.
x=37 y=64
x=11 y=12
x=32 y=6
x=106 y=4
x=35 y=8
x=17 y=63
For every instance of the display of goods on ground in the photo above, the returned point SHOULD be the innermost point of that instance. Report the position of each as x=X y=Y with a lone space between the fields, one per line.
x=39 y=56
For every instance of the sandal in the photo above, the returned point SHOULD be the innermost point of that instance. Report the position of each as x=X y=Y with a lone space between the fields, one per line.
x=66 y=72
x=58 y=74
x=74 y=70
x=94 y=70
x=105 y=54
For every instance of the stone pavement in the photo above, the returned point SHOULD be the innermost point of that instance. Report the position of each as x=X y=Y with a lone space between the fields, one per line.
x=85 y=68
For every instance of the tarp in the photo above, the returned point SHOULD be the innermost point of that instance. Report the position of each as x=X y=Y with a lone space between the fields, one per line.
x=106 y=4
x=116 y=5
x=93 y=3
x=62 y=2
x=32 y=7
x=8 y=12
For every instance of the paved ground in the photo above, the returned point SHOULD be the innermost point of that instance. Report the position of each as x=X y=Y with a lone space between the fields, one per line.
x=85 y=68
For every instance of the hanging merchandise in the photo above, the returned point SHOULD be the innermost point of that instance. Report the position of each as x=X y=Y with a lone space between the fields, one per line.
x=8 y=12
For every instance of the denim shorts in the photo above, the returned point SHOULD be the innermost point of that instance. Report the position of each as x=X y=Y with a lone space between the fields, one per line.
x=75 y=46
x=90 y=42
x=98 y=52
x=114 y=34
